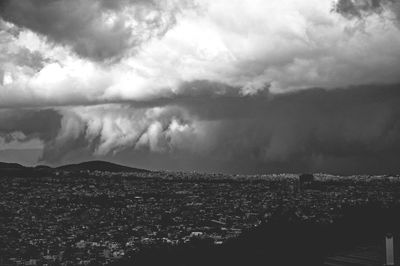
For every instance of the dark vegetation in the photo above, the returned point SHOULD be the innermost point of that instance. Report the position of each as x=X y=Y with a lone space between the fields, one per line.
x=280 y=241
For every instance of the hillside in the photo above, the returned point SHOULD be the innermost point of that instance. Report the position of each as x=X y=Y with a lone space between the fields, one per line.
x=99 y=166
x=11 y=166
x=15 y=169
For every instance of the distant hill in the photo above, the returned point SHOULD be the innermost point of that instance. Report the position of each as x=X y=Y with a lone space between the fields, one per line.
x=43 y=167
x=99 y=166
x=11 y=166
x=15 y=169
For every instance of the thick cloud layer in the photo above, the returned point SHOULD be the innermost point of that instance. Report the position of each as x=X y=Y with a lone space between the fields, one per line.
x=313 y=130
x=50 y=49
x=352 y=130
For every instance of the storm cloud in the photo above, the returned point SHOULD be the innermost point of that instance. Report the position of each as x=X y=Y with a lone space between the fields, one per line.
x=313 y=130
x=43 y=124
x=361 y=8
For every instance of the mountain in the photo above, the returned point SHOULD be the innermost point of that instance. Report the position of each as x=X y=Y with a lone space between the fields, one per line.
x=42 y=167
x=99 y=166
x=14 y=169
x=11 y=166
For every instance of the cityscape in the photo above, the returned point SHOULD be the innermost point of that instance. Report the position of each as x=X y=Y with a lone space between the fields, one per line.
x=92 y=217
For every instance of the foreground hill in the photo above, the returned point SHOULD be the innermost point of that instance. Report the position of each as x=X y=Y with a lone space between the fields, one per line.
x=99 y=166
x=284 y=240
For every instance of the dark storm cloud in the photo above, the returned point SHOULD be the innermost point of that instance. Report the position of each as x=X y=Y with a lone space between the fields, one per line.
x=42 y=124
x=54 y=152
x=352 y=130
x=96 y=29
x=361 y=8
x=345 y=131
x=351 y=8
x=69 y=140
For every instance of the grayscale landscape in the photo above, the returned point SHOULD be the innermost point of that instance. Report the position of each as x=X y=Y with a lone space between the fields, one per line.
x=200 y=132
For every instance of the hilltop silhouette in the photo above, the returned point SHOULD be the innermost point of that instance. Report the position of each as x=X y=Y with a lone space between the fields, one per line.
x=18 y=169
x=11 y=166
x=99 y=166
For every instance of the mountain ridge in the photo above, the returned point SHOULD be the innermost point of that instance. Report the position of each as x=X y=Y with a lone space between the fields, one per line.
x=4 y=165
x=96 y=165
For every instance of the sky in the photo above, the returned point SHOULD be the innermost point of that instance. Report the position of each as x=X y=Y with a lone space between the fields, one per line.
x=228 y=86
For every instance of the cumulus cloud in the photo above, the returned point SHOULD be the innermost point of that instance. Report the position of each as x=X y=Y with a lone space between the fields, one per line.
x=253 y=45
x=97 y=29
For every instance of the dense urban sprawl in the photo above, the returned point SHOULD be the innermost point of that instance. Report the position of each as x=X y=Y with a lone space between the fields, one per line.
x=98 y=217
